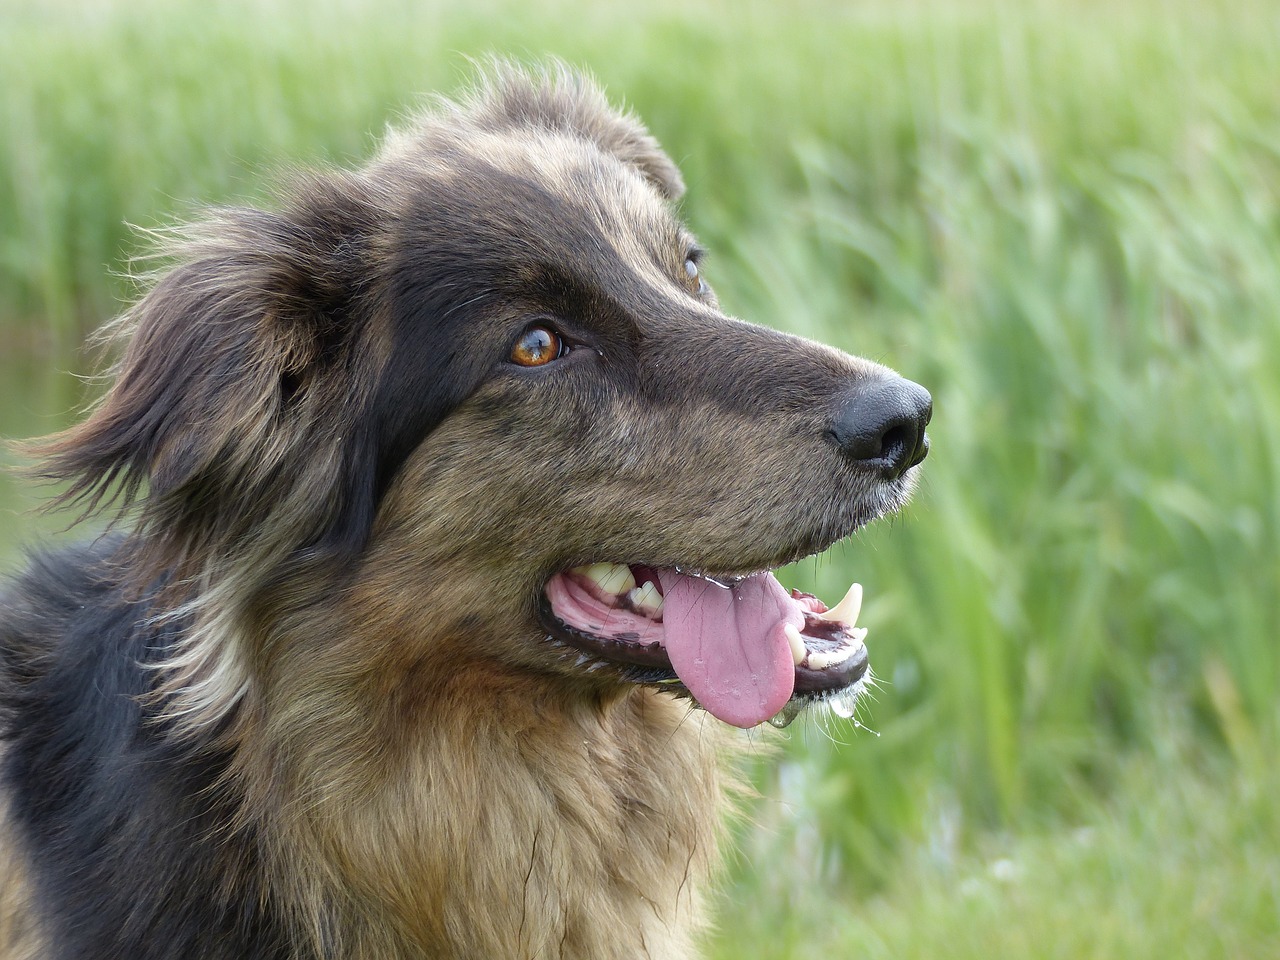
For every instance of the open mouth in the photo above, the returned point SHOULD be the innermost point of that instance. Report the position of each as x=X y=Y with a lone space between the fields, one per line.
x=741 y=646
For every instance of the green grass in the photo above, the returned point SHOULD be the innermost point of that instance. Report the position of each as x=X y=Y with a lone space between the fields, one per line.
x=1181 y=863
x=1064 y=220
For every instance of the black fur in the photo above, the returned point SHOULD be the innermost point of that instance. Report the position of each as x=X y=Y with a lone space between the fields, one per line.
x=95 y=783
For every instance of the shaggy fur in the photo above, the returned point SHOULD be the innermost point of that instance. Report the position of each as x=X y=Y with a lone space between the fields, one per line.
x=302 y=703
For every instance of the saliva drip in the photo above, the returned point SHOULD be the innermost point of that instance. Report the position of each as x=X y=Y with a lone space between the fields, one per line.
x=842 y=704
x=790 y=710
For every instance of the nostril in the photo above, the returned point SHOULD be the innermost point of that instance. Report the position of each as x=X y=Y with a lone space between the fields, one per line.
x=896 y=438
x=882 y=425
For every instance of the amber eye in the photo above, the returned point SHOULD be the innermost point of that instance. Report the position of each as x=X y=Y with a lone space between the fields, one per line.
x=538 y=346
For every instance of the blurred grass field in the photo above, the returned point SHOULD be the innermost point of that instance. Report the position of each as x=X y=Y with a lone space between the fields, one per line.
x=1062 y=218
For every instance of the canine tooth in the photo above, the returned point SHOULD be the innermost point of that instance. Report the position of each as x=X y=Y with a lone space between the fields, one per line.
x=612 y=578
x=847 y=610
x=646 y=599
x=798 y=651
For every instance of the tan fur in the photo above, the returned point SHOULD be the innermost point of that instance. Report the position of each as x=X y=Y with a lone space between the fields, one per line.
x=19 y=938
x=608 y=803
x=604 y=831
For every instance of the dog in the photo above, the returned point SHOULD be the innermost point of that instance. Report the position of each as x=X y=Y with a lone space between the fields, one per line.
x=442 y=501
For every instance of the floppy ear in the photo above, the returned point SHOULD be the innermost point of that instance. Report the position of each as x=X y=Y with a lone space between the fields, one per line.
x=234 y=417
x=559 y=98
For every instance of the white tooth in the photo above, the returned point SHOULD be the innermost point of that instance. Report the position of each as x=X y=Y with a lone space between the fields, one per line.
x=646 y=599
x=847 y=610
x=610 y=577
x=798 y=651
x=820 y=661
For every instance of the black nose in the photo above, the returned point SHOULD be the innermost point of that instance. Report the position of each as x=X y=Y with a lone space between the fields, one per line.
x=881 y=424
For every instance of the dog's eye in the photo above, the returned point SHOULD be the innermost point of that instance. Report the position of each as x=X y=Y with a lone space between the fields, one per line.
x=695 y=279
x=538 y=346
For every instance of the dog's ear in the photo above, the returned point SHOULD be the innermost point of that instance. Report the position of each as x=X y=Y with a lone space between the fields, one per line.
x=559 y=98
x=234 y=418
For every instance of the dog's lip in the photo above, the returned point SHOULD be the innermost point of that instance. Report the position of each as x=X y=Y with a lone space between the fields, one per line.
x=639 y=656
x=626 y=649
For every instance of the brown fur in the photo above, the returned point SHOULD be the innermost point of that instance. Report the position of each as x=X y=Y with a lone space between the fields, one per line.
x=18 y=937
x=422 y=772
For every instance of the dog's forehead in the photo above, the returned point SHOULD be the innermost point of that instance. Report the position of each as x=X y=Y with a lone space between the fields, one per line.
x=526 y=189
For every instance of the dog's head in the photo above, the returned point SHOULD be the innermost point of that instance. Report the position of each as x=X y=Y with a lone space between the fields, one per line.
x=481 y=390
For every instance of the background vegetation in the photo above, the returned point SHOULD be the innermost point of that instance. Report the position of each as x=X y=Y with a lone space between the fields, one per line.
x=1063 y=218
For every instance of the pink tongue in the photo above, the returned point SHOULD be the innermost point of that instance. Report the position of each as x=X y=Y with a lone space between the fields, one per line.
x=728 y=646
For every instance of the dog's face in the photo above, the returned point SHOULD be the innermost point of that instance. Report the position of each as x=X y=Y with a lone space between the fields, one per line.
x=488 y=374
x=628 y=462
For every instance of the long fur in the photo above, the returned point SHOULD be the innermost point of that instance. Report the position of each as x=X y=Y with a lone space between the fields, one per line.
x=299 y=704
